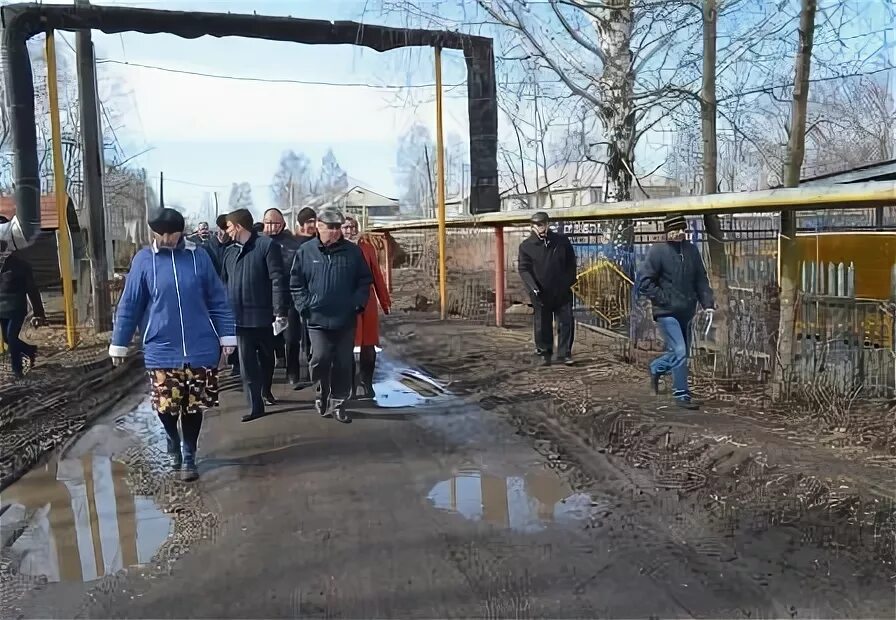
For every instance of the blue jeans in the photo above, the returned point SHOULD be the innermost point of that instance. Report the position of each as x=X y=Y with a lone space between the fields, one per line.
x=676 y=334
x=11 y=326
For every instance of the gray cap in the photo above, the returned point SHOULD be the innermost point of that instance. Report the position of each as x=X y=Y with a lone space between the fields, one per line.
x=331 y=216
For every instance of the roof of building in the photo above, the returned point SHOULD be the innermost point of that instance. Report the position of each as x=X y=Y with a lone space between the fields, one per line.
x=879 y=171
x=49 y=218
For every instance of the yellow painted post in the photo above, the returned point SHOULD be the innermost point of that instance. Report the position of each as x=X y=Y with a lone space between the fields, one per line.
x=65 y=246
x=440 y=182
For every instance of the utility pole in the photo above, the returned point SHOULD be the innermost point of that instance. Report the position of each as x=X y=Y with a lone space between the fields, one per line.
x=161 y=190
x=93 y=177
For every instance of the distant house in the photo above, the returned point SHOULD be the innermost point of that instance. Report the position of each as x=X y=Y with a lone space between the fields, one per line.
x=43 y=255
x=365 y=204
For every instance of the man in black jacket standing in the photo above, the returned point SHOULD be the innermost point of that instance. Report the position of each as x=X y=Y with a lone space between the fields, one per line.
x=258 y=292
x=674 y=279
x=547 y=265
x=330 y=284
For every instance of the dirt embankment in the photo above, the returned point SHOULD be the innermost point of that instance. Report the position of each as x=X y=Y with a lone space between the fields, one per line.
x=738 y=468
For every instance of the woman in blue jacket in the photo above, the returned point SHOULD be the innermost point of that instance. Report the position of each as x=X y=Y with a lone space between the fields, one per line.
x=174 y=295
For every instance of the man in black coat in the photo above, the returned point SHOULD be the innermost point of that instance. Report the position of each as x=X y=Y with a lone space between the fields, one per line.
x=330 y=284
x=288 y=343
x=547 y=266
x=673 y=278
x=17 y=288
x=258 y=292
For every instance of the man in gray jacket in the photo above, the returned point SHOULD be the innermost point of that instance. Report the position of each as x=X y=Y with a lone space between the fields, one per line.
x=330 y=284
x=674 y=279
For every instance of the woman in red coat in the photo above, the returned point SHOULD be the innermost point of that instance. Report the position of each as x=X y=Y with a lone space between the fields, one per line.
x=367 y=332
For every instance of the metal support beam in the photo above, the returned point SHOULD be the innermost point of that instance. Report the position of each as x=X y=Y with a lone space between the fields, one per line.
x=63 y=237
x=499 y=276
x=440 y=182
x=93 y=180
x=815 y=198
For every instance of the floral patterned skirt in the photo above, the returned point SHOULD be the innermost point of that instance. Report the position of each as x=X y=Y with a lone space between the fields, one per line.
x=183 y=390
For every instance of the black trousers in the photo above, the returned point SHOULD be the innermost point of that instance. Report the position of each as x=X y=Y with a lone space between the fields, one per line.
x=367 y=363
x=544 y=328
x=256 y=354
x=288 y=347
x=332 y=358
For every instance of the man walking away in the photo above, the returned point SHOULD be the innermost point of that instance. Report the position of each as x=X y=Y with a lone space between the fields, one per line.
x=330 y=285
x=674 y=279
x=288 y=342
x=256 y=287
x=547 y=266
x=17 y=288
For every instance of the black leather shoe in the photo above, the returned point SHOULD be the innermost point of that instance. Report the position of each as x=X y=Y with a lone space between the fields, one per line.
x=269 y=400
x=342 y=414
x=250 y=417
x=322 y=409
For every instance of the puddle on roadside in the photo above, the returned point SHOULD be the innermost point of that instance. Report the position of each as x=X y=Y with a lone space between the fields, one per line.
x=525 y=503
x=75 y=518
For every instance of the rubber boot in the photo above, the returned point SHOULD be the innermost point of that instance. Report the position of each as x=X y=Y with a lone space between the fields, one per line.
x=191 y=424
x=175 y=457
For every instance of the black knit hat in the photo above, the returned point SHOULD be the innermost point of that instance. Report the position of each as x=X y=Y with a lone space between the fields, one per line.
x=305 y=214
x=166 y=221
x=539 y=217
x=674 y=221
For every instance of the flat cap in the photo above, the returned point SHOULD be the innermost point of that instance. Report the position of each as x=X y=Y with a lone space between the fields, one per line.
x=539 y=217
x=331 y=216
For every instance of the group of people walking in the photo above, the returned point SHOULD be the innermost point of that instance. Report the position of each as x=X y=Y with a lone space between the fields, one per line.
x=251 y=293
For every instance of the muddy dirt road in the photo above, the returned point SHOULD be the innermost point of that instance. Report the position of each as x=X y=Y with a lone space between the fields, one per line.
x=426 y=506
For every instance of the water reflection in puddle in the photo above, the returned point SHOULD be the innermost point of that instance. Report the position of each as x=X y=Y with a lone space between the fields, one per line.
x=524 y=503
x=75 y=519
x=406 y=388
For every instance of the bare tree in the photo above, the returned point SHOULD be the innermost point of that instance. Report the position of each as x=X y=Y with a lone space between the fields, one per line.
x=796 y=148
x=292 y=184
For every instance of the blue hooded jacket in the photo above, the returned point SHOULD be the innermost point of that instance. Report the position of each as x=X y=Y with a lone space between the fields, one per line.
x=179 y=301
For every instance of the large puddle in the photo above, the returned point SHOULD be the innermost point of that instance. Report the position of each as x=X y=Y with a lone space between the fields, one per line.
x=75 y=518
x=524 y=503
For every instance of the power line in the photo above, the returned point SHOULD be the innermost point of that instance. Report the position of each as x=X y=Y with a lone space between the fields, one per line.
x=245 y=78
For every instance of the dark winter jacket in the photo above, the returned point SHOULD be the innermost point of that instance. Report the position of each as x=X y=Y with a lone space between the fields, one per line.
x=330 y=285
x=215 y=250
x=255 y=280
x=179 y=304
x=289 y=245
x=17 y=287
x=548 y=266
x=674 y=279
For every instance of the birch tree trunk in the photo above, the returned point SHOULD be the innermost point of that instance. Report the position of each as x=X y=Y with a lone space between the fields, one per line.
x=796 y=149
x=614 y=21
